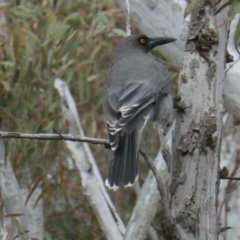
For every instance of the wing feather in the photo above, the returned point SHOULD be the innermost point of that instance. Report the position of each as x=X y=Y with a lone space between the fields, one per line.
x=128 y=92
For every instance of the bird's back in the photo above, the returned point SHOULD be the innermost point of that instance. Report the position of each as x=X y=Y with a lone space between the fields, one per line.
x=138 y=68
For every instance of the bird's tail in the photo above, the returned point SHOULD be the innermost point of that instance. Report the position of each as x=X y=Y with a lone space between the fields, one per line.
x=124 y=164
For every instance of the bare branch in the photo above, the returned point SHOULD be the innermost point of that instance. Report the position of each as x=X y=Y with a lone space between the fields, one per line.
x=92 y=182
x=128 y=20
x=150 y=184
x=168 y=221
x=223 y=173
x=160 y=184
x=53 y=136
x=27 y=215
x=195 y=176
x=231 y=178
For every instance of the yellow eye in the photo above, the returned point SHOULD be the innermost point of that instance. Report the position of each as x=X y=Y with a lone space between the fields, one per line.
x=142 y=41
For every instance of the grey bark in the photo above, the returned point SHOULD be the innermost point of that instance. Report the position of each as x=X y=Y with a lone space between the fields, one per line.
x=92 y=182
x=29 y=224
x=198 y=132
x=165 y=18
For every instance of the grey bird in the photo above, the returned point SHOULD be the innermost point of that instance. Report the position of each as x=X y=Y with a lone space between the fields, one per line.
x=137 y=89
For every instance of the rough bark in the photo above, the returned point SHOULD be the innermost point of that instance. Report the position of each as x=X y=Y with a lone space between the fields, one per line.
x=198 y=132
x=161 y=18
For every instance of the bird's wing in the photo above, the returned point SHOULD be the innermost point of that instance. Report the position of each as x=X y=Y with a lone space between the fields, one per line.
x=135 y=97
x=121 y=108
x=123 y=102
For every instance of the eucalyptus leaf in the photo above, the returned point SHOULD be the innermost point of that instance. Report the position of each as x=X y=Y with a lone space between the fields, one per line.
x=118 y=32
x=5 y=84
x=190 y=7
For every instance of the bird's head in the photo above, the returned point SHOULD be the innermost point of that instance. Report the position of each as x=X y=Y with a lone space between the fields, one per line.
x=138 y=43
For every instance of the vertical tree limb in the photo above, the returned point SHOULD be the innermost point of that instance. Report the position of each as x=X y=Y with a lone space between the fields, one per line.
x=92 y=182
x=128 y=17
x=198 y=131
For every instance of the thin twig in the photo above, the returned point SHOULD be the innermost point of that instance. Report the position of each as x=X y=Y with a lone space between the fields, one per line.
x=151 y=164
x=223 y=229
x=229 y=185
x=78 y=138
x=233 y=64
x=128 y=22
x=231 y=178
x=52 y=136
x=162 y=190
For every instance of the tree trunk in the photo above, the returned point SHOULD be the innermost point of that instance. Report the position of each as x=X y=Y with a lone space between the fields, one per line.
x=198 y=131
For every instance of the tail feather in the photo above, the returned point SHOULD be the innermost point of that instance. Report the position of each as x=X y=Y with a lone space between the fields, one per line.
x=124 y=164
x=131 y=159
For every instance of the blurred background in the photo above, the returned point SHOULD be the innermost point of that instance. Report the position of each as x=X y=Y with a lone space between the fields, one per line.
x=73 y=40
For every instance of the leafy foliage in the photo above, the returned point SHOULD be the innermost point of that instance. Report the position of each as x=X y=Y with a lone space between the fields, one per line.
x=39 y=41
x=43 y=40
x=234 y=10
x=235 y=4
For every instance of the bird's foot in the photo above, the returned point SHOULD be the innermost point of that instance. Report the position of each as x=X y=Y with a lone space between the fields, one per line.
x=179 y=104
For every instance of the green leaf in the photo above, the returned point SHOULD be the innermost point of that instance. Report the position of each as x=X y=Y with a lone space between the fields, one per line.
x=14 y=215
x=34 y=185
x=229 y=2
x=59 y=31
x=92 y=78
x=118 y=32
x=6 y=85
x=17 y=225
x=190 y=7
x=236 y=7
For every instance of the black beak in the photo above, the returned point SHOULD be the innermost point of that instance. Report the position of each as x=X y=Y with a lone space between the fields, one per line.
x=153 y=42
